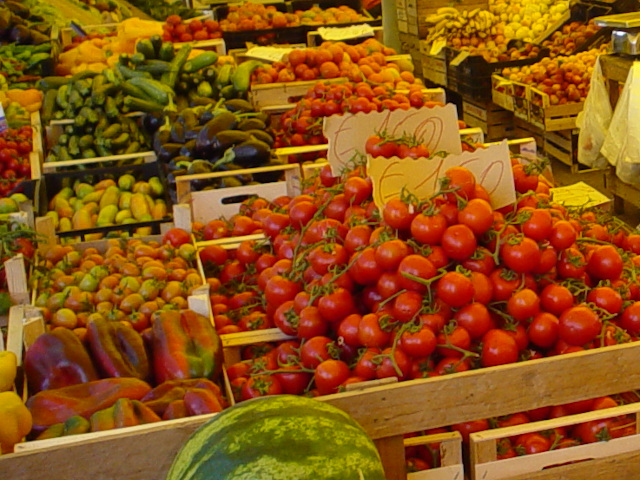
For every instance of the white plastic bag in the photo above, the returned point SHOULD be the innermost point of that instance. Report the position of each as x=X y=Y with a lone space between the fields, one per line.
x=622 y=143
x=594 y=121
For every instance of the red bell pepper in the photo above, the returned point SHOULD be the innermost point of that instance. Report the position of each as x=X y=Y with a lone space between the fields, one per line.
x=118 y=350
x=56 y=406
x=185 y=345
x=124 y=413
x=164 y=395
x=58 y=359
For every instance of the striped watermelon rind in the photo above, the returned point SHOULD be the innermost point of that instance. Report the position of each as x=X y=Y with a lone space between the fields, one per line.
x=281 y=437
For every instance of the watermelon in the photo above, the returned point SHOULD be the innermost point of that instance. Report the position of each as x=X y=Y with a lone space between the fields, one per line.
x=279 y=437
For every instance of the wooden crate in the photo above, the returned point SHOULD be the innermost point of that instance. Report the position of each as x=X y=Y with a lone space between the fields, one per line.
x=524 y=129
x=401 y=17
x=521 y=100
x=450 y=445
x=502 y=92
x=549 y=117
x=494 y=121
x=271 y=94
x=434 y=67
x=622 y=192
x=207 y=205
x=417 y=11
x=615 y=458
x=563 y=146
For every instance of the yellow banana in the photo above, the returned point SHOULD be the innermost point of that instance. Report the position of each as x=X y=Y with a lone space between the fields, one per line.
x=450 y=10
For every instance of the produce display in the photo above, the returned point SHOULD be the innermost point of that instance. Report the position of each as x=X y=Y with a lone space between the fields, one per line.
x=119 y=320
x=564 y=79
x=365 y=61
x=83 y=206
x=355 y=292
x=303 y=124
x=296 y=434
x=254 y=16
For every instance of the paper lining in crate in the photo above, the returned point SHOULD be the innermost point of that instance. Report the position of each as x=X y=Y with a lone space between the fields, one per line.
x=550 y=117
x=595 y=461
x=207 y=205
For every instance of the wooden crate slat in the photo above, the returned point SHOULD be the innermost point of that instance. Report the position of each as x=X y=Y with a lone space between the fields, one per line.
x=279 y=93
x=493 y=391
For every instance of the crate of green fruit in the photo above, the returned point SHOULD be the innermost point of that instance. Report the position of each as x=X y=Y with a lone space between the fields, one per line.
x=94 y=202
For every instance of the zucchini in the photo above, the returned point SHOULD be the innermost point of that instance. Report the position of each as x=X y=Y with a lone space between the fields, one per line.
x=145 y=47
x=49 y=104
x=156 y=91
x=137 y=59
x=62 y=97
x=85 y=141
x=91 y=116
x=113 y=131
x=110 y=108
x=89 y=153
x=134 y=91
x=205 y=59
x=166 y=52
x=140 y=105
x=224 y=75
x=127 y=73
x=83 y=75
x=156 y=44
x=120 y=141
x=83 y=87
x=73 y=147
x=241 y=78
x=177 y=63
x=154 y=67
x=49 y=83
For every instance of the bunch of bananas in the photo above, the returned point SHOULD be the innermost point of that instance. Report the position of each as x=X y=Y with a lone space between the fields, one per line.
x=448 y=22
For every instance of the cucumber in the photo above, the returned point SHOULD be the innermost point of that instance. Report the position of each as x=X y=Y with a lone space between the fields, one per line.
x=91 y=116
x=113 y=131
x=83 y=87
x=110 y=108
x=89 y=153
x=49 y=104
x=120 y=141
x=74 y=147
x=62 y=97
x=85 y=141
x=140 y=105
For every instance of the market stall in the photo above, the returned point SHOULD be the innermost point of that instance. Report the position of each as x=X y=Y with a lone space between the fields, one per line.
x=207 y=215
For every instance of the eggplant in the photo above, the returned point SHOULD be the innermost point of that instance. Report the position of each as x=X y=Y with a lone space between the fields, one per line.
x=192 y=133
x=238 y=105
x=249 y=154
x=189 y=118
x=18 y=9
x=200 y=166
x=160 y=138
x=20 y=34
x=222 y=121
x=251 y=124
x=177 y=133
x=262 y=136
x=168 y=151
x=152 y=121
x=268 y=177
x=229 y=138
x=188 y=148
x=5 y=21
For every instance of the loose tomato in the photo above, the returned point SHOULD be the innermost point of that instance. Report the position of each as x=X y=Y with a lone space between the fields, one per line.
x=476 y=319
x=543 y=330
x=498 y=348
x=477 y=214
x=520 y=254
x=329 y=375
x=373 y=331
x=417 y=343
x=579 y=325
x=459 y=242
x=176 y=237
x=259 y=386
x=428 y=229
x=455 y=289
x=315 y=350
x=605 y=263
x=523 y=305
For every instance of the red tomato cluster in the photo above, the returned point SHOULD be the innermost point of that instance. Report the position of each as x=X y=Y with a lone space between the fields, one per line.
x=380 y=145
x=177 y=30
x=422 y=288
x=15 y=166
x=303 y=124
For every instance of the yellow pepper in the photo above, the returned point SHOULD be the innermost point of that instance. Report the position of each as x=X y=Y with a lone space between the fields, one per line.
x=7 y=370
x=15 y=420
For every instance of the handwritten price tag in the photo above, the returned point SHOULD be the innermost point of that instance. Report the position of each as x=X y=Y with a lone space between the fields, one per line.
x=578 y=195
x=345 y=33
x=491 y=167
x=437 y=128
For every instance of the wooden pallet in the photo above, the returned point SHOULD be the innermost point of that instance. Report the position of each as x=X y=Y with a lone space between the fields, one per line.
x=596 y=461
x=549 y=117
x=495 y=122
x=207 y=205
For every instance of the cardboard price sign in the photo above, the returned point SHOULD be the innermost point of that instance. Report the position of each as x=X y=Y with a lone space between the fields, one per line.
x=436 y=127
x=491 y=167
